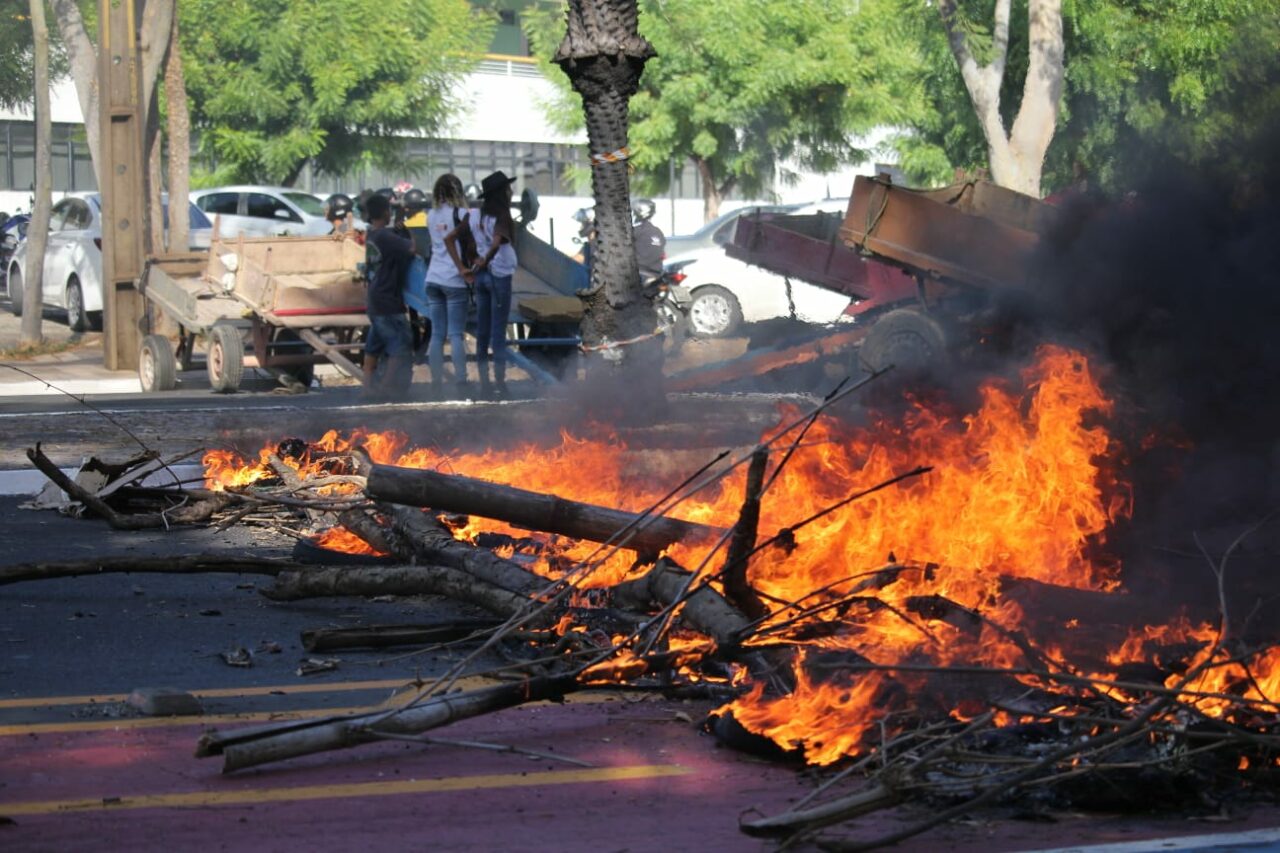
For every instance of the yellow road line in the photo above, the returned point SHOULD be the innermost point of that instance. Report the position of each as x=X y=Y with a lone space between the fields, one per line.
x=131 y=723
x=358 y=789
x=213 y=693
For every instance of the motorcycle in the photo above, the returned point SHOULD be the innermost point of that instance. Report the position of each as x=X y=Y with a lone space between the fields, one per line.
x=13 y=229
x=671 y=301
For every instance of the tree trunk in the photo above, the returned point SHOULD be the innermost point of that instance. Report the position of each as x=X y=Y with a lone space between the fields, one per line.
x=711 y=196
x=603 y=55
x=33 y=286
x=530 y=510
x=1016 y=158
x=82 y=57
x=705 y=611
x=179 y=127
x=396 y=580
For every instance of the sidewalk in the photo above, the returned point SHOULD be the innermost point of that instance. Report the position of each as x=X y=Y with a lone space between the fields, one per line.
x=77 y=368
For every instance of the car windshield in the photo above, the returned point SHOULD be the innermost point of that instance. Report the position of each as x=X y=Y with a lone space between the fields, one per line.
x=195 y=216
x=307 y=203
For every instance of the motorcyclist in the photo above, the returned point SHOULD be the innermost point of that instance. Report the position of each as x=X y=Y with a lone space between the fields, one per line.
x=651 y=243
x=337 y=210
x=586 y=219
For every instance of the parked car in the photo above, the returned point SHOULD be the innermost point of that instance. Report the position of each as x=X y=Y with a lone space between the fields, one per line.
x=262 y=211
x=73 y=259
x=718 y=231
x=725 y=293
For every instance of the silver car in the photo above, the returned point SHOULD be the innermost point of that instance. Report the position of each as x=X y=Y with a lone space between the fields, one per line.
x=73 y=259
x=256 y=211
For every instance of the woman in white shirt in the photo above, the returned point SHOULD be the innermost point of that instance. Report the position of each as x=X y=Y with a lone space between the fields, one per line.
x=448 y=275
x=494 y=267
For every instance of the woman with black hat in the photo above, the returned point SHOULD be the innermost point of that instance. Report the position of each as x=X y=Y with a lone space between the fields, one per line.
x=494 y=268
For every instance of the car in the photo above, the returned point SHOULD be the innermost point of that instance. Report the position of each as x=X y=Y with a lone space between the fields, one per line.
x=73 y=259
x=719 y=231
x=259 y=211
x=725 y=293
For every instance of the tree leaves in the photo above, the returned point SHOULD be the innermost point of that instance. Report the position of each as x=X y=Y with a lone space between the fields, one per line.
x=276 y=84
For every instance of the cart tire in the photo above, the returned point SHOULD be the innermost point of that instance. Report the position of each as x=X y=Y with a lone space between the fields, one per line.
x=157 y=368
x=909 y=340
x=226 y=359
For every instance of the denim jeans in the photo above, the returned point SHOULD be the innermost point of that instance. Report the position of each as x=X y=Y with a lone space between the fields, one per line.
x=493 y=305
x=448 y=314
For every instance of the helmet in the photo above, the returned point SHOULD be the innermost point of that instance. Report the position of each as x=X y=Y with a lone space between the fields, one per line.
x=584 y=215
x=415 y=199
x=642 y=209
x=337 y=206
x=472 y=192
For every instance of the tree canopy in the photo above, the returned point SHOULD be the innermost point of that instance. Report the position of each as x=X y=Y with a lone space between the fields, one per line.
x=746 y=89
x=17 y=65
x=278 y=84
x=1149 y=83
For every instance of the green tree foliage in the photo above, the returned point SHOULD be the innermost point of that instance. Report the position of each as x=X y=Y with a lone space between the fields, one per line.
x=17 y=80
x=275 y=84
x=747 y=88
x=1149 y=84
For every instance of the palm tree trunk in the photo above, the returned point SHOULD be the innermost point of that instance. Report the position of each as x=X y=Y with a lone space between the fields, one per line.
x=603 y=55
x=33 y=286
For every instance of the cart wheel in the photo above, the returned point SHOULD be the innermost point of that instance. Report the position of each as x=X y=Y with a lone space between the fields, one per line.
x=226 y=359
x=157 y=368
x=909 y=340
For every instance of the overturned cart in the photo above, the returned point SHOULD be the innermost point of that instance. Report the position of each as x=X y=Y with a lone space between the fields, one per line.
x=921 y=267
x=283 y=304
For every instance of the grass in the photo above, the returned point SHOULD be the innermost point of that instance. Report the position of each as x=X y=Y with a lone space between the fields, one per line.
x=26 y=352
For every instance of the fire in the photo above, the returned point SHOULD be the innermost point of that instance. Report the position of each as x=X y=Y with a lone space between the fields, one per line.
x=1021 y=487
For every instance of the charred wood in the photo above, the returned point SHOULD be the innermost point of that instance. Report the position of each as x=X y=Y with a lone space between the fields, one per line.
x=530 y=510
x=252 y=747
x=201 y=510
x=705 y=610
x=396 y=580
x=736 y=587
x=383 y=636
x=187 y=564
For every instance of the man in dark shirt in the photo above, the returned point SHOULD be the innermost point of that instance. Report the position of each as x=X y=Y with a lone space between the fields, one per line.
x=389 y=342
x=651 y=243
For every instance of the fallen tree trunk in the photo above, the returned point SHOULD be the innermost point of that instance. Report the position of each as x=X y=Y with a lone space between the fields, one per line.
x=383 y=636
x=396 y=580
x=705 y=610
x=252 y=747
x=431 y=541
x=187 y=564
x=530 y=510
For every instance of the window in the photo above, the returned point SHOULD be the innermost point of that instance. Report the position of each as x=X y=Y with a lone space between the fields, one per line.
x=263 y=206
x=60 y=158
x=59 y=215
x=225 y=203
x=78 y=217
x=307 y=203
x=22 y=138
x=4 y=156
x=82 y=176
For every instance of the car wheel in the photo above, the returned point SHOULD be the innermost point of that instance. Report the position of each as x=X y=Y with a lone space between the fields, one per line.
x=157 y=367
x=15 y=291
x=226 y=359
x=79 y=319
x=910 y=341
x=714 y=312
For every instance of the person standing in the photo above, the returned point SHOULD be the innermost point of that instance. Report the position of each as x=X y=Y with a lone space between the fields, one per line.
x=448 y=277
x=389 y=343
x=494 y=268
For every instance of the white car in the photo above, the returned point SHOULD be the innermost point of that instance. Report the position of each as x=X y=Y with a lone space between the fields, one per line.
x=725 y=293
x=256 y=211
x=73 y=259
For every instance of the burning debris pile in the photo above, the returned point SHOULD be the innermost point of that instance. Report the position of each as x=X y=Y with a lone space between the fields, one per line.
x=921 y=606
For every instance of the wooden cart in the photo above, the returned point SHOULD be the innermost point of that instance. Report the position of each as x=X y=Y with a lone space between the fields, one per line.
x=279 y=303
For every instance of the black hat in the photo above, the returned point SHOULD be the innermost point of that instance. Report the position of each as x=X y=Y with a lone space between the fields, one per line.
x=495 y=182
